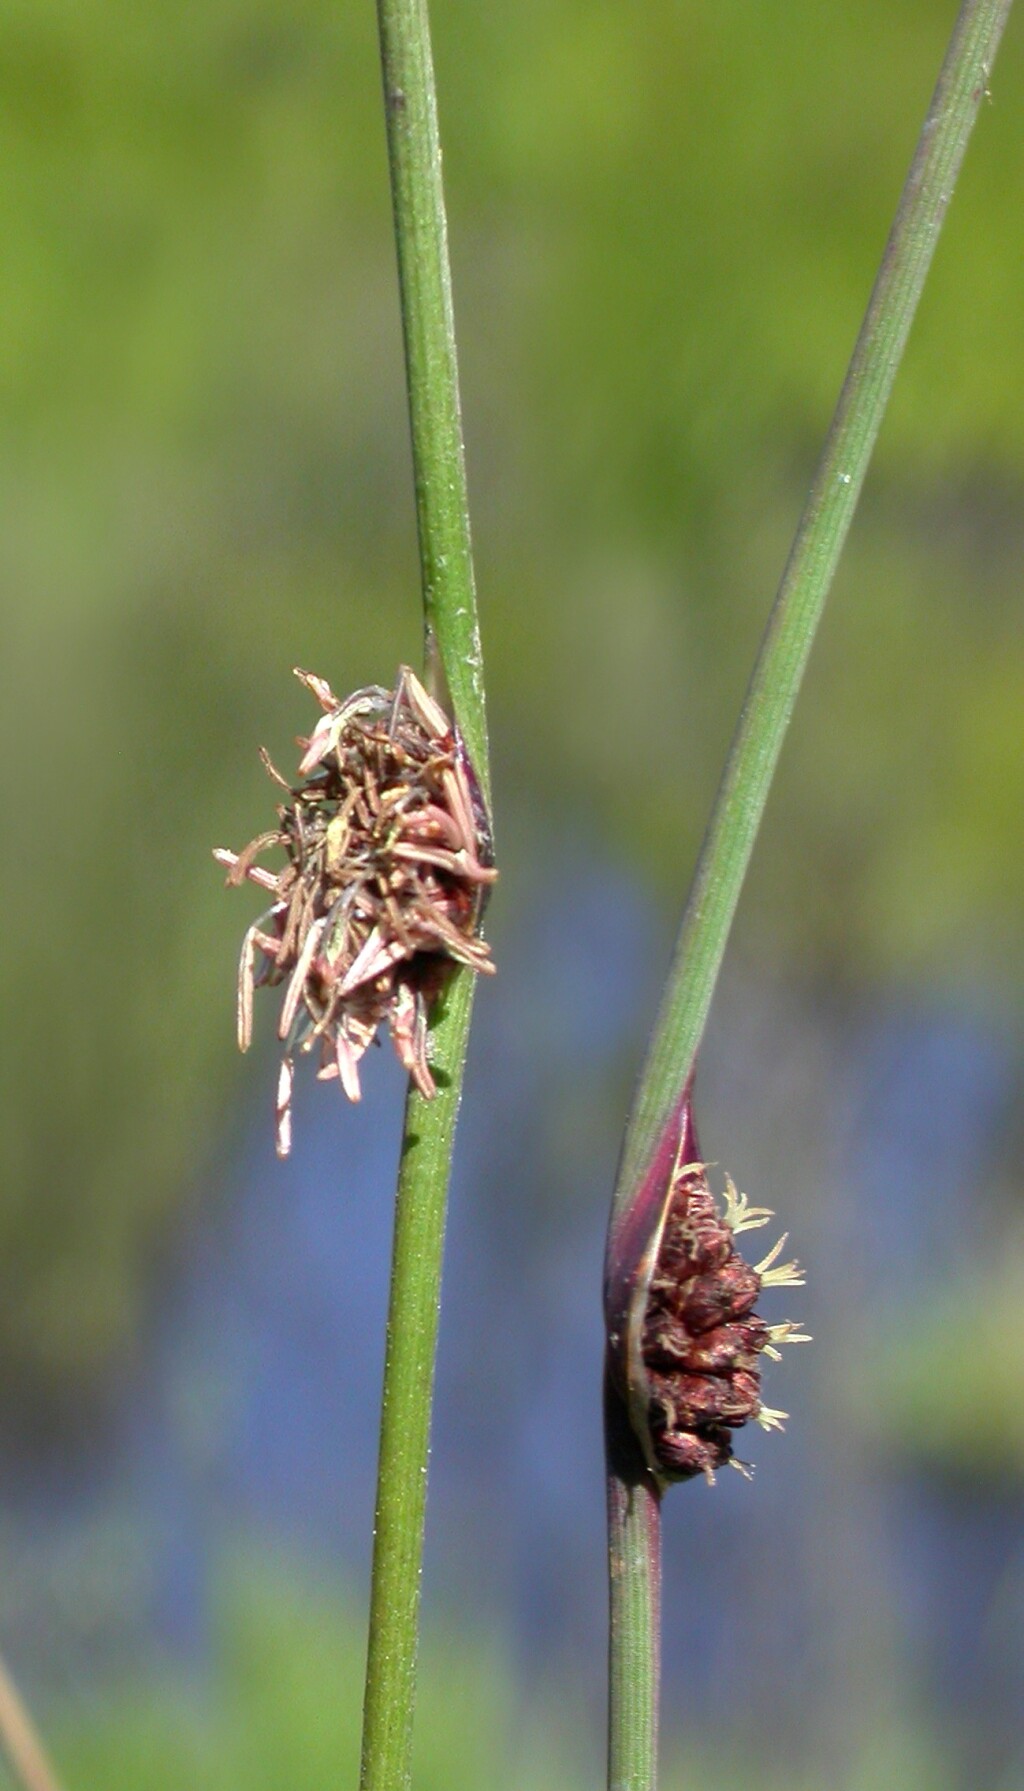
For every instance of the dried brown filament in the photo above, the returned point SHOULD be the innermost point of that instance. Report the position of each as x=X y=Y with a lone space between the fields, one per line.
x=387 y=866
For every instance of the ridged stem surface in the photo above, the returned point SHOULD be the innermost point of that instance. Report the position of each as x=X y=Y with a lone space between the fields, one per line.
x=634 y=1614
x=455 y=674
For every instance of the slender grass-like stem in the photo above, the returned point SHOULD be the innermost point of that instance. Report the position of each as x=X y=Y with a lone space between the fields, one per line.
x=405 y=1414
x=20 y=1742
x=634 y=1615
x=454 y=671
x=452 y=648
x=828 y=512
x=743 y=792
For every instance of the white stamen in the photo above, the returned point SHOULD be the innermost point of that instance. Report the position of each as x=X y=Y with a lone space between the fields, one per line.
x=321 y=740
x=788 y=1274
x=739 y=1215
x=347 y=1061
x=284 y=1107
x=789 y=1333
x=770 y=1420
x=245 y=987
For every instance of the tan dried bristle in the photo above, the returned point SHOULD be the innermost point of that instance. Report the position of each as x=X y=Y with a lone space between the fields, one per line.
x=387 y=866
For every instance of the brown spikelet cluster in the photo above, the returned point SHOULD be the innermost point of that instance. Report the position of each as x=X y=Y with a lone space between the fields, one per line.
x=701 y=1341
x=387 y=863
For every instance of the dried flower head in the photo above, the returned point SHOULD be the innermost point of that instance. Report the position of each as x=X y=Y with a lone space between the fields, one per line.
x=387 y=865
x=686 y=1343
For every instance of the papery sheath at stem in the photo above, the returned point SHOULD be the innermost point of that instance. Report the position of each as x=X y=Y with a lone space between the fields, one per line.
x=637 y=1213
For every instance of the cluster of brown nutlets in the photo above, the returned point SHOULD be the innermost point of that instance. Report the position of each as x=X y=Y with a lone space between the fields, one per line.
x=387 y=863
x=701 y=1340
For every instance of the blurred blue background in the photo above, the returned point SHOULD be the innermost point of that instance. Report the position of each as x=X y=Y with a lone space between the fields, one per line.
x=665 y=222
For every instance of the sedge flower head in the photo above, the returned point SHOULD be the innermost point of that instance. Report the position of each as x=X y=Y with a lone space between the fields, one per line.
x=685 y=1342
x=387 y=863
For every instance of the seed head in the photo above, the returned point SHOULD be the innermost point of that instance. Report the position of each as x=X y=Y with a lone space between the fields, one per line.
x=387 y=866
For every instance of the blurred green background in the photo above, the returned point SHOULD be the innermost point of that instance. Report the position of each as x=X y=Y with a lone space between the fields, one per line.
x=665 y=221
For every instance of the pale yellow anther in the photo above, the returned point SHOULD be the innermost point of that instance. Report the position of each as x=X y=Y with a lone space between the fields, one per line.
x=739 y=1215
x=785 y=1333
x=789 y=1333
x=787 y=1274
x=770 y=1420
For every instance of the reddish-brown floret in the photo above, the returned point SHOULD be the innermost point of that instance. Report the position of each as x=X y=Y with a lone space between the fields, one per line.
x=701 y=1343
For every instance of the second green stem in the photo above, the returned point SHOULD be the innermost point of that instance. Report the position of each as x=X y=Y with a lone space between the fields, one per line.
x=806 y=580
x=743 y=792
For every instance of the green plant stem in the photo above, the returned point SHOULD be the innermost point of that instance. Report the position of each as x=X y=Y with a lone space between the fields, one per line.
x=743 y=792
x=405 y=1410
x=454 y=671
x=453 y=656
x=634 y=1616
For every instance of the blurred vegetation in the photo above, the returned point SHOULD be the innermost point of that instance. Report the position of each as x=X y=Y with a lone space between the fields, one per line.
x=286 y=1683
x=945 y=1381
x=280 y=1705
x=665 y=222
